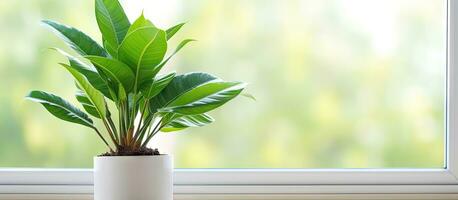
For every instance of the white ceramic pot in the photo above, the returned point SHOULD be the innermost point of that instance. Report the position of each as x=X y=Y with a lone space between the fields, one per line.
x=133 y=177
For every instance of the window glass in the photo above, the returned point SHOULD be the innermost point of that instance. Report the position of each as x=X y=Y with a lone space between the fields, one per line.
x=338 y=83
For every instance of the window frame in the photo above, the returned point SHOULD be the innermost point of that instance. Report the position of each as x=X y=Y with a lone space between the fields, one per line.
x=284 y=181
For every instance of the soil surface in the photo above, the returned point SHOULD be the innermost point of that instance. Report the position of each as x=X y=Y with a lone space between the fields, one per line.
x=129 y=152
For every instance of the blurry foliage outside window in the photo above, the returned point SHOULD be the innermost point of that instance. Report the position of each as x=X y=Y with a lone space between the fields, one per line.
x=339 y=83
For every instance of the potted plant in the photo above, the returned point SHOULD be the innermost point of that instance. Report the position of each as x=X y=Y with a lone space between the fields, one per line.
x=124 y=74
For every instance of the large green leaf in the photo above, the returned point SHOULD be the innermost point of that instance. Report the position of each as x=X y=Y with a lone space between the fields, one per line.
x=204 y=98
x=179 y=47
x=86 y=103
x=143 y=49
x=113 y=22
x=95 y=97
x=186 y=121
x=114 y=69
x=153 y=87
x=178 y=86
x=76 y=39
x=172 y=30
x=60 y=108
x=87 y=71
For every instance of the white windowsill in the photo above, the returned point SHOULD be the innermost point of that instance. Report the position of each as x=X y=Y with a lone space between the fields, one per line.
x=249 y=192
x=248 y=184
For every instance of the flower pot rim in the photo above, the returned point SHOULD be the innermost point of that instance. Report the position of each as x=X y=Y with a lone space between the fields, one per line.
x=137 y=156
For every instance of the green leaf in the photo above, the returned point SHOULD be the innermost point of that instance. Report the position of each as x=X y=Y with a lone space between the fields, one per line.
x=113 y=51
x=179 y=47
x=87 y=71
x=143 y=49
x=153 y=87
x=204 y=98
x=113 y=22
x=186 y=121
x=178 y=86
x=76 y=39
x=115 y=70
x=60 y=108
x=87 y=104
x=95 y=97
x=140 y=22
x=171 y=31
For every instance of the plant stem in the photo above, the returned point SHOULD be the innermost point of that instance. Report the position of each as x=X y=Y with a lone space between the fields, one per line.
x=133 y=112
x=131 y=121
x=124 y=119
x=156 y=129
x=113 y=127
x=130 y=133
x=139 y=137
x=120 y=121
x=101 y=137
x=145 y=129
x=110 y=133
x=141 y=119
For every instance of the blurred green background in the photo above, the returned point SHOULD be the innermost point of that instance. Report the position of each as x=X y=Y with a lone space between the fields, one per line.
x=339 y=83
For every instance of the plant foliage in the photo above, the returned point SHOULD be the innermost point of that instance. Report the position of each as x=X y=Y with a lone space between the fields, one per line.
x=125 y=71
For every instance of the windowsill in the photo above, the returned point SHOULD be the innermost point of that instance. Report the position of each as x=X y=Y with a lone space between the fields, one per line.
x=248 y=192
x=247 y=184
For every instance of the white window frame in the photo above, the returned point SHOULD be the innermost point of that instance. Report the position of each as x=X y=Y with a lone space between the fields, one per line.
x=18 y=183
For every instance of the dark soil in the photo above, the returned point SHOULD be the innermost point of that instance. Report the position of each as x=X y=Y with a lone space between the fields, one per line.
x=130 y=152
